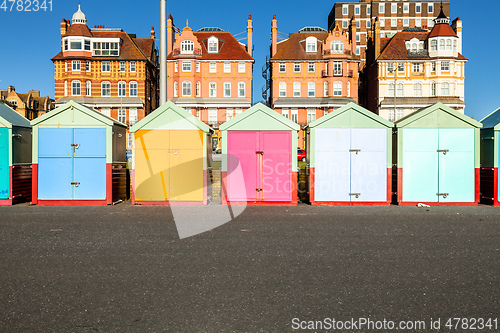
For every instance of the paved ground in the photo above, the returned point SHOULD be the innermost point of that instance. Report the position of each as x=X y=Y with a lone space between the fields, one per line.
x=124 y=269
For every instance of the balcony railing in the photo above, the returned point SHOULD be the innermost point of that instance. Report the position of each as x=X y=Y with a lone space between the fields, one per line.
x=349 y=73
x=196 y=53
x=330 y=52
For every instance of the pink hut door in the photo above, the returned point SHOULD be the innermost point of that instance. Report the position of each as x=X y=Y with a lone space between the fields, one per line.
x=276 y=147
x=242 y=165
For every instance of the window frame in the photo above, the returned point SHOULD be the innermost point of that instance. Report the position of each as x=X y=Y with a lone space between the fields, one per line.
x=122 y=89
x=76 y=88
x=133 y=91
x=105 y=89
x=186 y=88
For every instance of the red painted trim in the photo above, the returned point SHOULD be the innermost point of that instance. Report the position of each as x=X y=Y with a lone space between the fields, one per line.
x=295 y=188
x=496 y=199
x=34 y=181
x=11 y=186
x=312 y=179
x=170 y=203
x=132 y=184
x=389 y=186
x=400 y=185
x=438 y=204
x=5 y=202
x=345 y=203
x=72 y=202
x=477 y=184
x=109 y=183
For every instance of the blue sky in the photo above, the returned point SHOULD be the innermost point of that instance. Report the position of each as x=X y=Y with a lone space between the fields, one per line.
x=31 y=39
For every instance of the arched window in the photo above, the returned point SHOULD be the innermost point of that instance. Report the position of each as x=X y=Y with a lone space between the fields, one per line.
x=282 y=89
x=433 y=89
x=417 y=90
x=105 y=89
x=88 y=88
x=337 y=47
x=227 y=89
x=455 y=45
x=75 y=88
x=448 y=45
x=337 y=88
x=434 y=45
x=325 y=89
x=414 y=47
x=187 y=47
x=311 y=89
x=311 y=44
x=445 y=89
x=186 y=88
x=241 y=89
x=176 y=89
x=198 y=88
x=391 y=90
x=296 y=89
x=122 y=89
x=400 y=90
x=133 y=89
x=212 y=89
x=441 y=45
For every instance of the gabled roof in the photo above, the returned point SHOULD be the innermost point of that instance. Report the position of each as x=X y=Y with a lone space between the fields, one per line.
x=294 y=47
x=69 y=106
x=9 y=117
x=347 y=108
x=492 y=120
x=229 y=47
x=443 y=30
x=259 y=108
x=414 y=116
x=395 y=49
x=166 y=108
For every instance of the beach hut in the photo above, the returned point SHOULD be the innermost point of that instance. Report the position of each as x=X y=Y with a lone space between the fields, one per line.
x=490 y=146
x=79 y=157
x=170 y=158
x=259 y=163
x=350 y=158
x=15 y=157
x=437 y=157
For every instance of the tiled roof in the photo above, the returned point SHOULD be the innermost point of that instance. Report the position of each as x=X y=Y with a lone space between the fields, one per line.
x=395 y=48
x=78 y=30
x=229 y=47
x=130 y=48
x=294 y=48
x=442 y=30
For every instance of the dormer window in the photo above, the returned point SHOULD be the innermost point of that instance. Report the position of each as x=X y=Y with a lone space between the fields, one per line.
x=187 y=47
x=337 y=47
x=311 y=44
x=213 y=45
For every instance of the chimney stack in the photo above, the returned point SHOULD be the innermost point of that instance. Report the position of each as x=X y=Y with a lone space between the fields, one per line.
x=249 y=35
x=170 y=34
x=353 y=35
x=376 y=39
x=152 y=33
x=274 y=36
x=11 y=89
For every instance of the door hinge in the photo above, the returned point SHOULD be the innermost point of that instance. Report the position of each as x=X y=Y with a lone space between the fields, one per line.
x=444 y=195
x=354 y=151
x=357 y=195
x=75 y=184
x=444 y=151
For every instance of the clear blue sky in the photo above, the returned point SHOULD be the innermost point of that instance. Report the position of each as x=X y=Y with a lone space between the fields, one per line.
x=31 y=39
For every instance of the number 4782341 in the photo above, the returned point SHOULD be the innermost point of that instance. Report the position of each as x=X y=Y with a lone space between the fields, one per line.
x=26 y=5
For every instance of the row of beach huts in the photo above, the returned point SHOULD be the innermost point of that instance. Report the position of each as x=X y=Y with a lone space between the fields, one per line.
x=74 y=155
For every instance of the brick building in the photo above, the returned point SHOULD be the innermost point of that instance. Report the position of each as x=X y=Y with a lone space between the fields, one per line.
x=209 y=73
x=312 y=73
x=107 y=69
x=394 y=16
x=414 y=69
x=30 y=105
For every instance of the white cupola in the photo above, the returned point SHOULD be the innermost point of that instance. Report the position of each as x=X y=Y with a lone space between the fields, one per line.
x=79 y=17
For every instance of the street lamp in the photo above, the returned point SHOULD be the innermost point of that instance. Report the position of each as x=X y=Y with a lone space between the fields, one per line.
x=394 y=70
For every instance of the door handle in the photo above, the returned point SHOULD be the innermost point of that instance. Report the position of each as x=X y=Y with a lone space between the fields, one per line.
x=259 y=152
x=444 y=195
x=444 y=151
x=357 y=195
x=258 y=189
x=75 y=184
x=76 y=146
x=354 y=151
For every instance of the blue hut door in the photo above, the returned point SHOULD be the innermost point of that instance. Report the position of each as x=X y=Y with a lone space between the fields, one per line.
x=456 y=165
x=71 y=164
x=4 y=163
x=89 y=164
x=368 y=165
x=420 y=165
x=333 y=170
